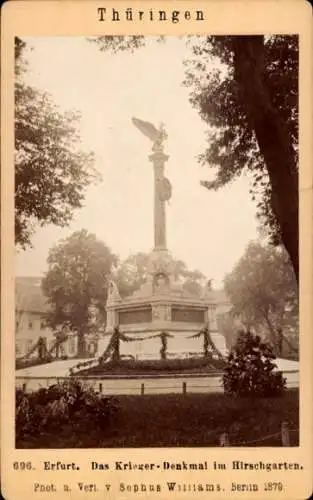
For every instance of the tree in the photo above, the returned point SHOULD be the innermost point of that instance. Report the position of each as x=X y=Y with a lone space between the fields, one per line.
x=249 y=99
x=250 y=369
x=117 y=43
x=51 y=173
x=76 y=283
x=250 y=102
x=263 y=290
x=226 y=326
x=193 y=282
x=134 y=272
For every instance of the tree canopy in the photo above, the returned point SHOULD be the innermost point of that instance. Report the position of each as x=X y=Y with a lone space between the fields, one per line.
x=133 y=272
x=115 y=43
x=76 y=284
x=263 y=290
x=250 y=102
x=51 y=172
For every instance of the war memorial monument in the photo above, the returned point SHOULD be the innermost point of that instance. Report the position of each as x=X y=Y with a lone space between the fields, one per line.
x=161 y=304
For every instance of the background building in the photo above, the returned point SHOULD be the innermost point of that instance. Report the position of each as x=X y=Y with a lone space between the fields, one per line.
x=30 y=309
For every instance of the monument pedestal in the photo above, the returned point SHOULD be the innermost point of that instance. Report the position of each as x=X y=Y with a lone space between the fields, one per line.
x=161 y=305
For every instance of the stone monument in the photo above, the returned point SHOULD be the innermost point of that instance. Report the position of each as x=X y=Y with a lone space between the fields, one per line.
x=160 y=304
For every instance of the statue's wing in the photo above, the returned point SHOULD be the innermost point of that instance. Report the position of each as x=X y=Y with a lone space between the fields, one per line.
x=147 y=129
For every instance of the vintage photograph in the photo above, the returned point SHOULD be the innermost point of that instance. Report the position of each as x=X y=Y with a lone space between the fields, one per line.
x=156 y=241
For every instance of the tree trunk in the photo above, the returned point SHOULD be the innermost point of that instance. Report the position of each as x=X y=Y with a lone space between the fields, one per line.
x=272 y=137
x=272 y=332
x=57 y=349
x=81 y=345
x=280 y=341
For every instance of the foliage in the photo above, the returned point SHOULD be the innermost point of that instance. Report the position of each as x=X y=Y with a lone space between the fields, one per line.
x=69 y=403
x=115 y=43
x=246 y=90
x=163 y=336
x=22 y=363
x=112 y=351
x=263 y=290
x=118 y=43
x=176 y=420
x=147 y=367
x=209 y=348
x=51 y=173
x=134 y=272
x=249 y=369
x=226 y=326
x=76 y=283
x=233 y=147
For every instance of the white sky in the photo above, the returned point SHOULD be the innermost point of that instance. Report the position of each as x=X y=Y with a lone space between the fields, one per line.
x=208 y=230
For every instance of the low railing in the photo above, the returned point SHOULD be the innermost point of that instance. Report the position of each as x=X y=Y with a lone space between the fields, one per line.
x=284 y=436
x=123 y=384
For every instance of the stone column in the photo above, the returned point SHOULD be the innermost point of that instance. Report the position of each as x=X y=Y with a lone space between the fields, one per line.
x=158 y=159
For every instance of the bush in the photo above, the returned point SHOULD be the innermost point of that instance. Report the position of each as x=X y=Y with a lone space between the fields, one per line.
x=249 y=369
x=68 y=403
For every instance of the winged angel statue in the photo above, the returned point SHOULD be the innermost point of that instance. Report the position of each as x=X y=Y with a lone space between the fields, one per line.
x=156 y=136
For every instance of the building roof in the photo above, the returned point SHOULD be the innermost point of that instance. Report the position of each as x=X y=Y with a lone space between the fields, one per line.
x=29 y=295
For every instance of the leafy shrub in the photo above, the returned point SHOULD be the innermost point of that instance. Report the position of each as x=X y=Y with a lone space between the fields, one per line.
x=250 y=369
x=68 y=403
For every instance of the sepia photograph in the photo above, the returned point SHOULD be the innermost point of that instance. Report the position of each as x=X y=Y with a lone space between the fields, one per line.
x=156 y=242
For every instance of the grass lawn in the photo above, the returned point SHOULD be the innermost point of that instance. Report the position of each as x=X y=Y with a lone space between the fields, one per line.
x=175 y=420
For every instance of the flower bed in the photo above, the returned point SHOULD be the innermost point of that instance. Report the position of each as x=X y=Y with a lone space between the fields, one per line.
x=146 y=367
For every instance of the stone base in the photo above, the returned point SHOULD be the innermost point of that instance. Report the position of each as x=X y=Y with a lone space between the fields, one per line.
x=161 y=305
